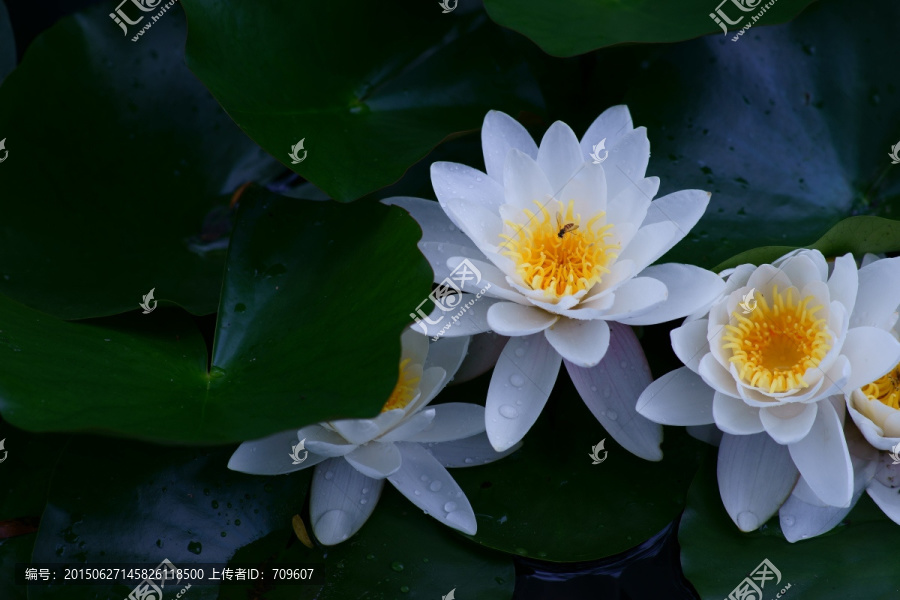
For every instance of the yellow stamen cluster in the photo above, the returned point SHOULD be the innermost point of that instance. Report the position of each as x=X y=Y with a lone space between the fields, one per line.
x=560 y=265
x=886 y=390
x=405 y=390
x=773 y=346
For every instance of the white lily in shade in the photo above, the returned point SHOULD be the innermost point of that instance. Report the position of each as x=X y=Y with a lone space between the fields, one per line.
x=408 y=444
x=566 y=246
x=773 y=379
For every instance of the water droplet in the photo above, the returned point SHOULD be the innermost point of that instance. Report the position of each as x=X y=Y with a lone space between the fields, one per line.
x=397 y=566
x=788 y=520
x=329 y=475
x=333 y=520
x=520 y=352
x=747 y=521
x=624 y=364
x=417 y=492
x=613 y=415
x=206 y=491
x=365 y=490
x=214 y=504
x=517 y=380
x=460 y=519
x=450 y=506
x=518 y=403
x=195 y=547
x=593 y=388
x=404 y=588
x=240 y=307
x=223 y=534
x=237 y=521
x=509 y=411
x=370 y=556
x=424 y=478
x=478 y=178
x=435 y=486
x=469 y=461
x=362 y=500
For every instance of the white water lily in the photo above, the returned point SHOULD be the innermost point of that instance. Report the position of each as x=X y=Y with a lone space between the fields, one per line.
x=772 y=378
x=564 y=247
x=408 y=444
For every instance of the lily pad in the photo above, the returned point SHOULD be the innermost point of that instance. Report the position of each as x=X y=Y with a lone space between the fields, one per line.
x=549 y=501
x=789 y=131
x=716 y=556
x=425 y=561
x=311 y=291
x=368 y=103
x=571 y=28
x=119 y=160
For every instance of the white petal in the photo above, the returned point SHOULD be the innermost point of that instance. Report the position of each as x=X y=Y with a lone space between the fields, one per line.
x=677 y=398
x=357 y=431
x=710 y=434
x=429 y=486
x=524 y=182
x=336 y=506
x=410 y=427
x=683 y=208
x=879 y=288
x=447 y=354
x=887 y=499
x=375 y=459
x=583 y=343
x=789 y=423
x=802 y=270
x=507 y=318
x=327 y=443
x=438 y=253
x=484 y=350
x=872 y=353
x=636 y=297
x=588 y=190
x=482 y=225
x=462 y=319
x=690 y=344
x=453 y=180
x=629 y=207
x=436 y=225
x=611 y=389
x=611 y=125
x=499 y=134
x=716 y=376
x=270 y=455
x=844 y=281
x=823 y=459
x=452 y=421
x=627 y=162
x=734 y=416
x=649 y=243
x=755 y=476
x=521 y=383
x=689 y=288
x=487 y=280
x=433 y=381
x=559 y=155
x=469 y=452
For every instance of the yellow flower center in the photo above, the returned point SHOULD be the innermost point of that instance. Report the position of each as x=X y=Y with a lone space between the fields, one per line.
x=886 y=390
x=405 y=390
x=773 y=346
x=560 y=255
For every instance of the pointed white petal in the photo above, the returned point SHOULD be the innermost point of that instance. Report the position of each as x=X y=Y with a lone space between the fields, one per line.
x=844 y=281
x=683 y=208
x=327 y=443
x=559 y=155
x=507 y=318
x=649 y=243
x=452 y=421
x=524 y=182
x=587 y=188
x=755 y=476
x=611 y=390
x=872 y=353
x=452 y=180
x=583 y=343
x=468 y=452
x=823 y=459
x=789 y=423
x=611 y=125
x=627 y=162
x=428 y=485
x=270 y=455
x=689 y=288
x=375 y=459
x=734 y=416
x=879 y=288
x=357 y=431
x=447 y=354
x=499 y=134
x=679 y=397
x=341 y=500
x=484 y=350
x=410 y=427
x=521 y=383
x=482 y=225
x=690 y=344
x=887 y=499
x=635 y=298
x=436 y=225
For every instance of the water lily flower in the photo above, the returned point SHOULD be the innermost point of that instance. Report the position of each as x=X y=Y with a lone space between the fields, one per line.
x=408 y=444
x=561 y=240
x=769 y=365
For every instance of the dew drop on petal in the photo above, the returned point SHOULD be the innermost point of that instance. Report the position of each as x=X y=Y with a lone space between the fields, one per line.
x=509 y=411
x=469 y=461
x=435 y=486
x=450 y=507
x=613 y=415
x=329 y=475
x=593 y=388
x=417 y=492
x=789 y=520
x=520 y=352
x=624 y=364
x=747 y=521
x=517 y=380
x=362 y=500
x=424 y=477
